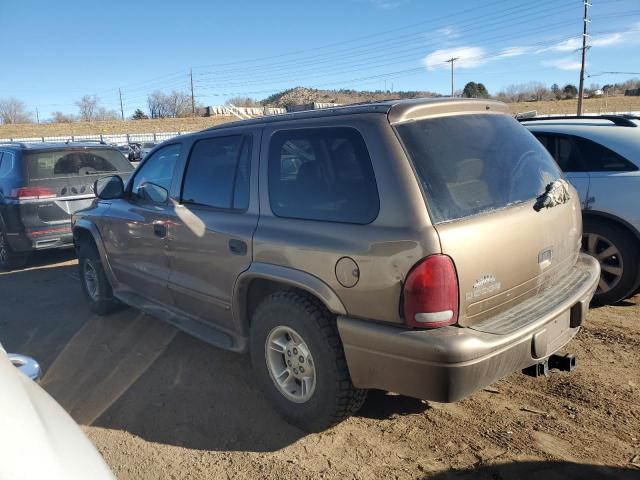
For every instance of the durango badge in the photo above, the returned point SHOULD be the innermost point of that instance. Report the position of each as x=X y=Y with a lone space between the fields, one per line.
x=483 y=286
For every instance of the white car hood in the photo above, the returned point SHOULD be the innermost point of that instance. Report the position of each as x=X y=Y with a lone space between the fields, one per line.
x=38 y=439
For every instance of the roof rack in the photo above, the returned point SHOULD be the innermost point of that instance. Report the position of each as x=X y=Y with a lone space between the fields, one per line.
x=18 y=144
x=619 y=120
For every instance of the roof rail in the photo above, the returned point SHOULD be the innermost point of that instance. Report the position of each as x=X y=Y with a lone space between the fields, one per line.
x=18 y=144
x=619 y=120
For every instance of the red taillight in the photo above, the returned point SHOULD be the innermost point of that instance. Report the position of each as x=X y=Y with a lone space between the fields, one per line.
x=32 y=193
x=431 y=293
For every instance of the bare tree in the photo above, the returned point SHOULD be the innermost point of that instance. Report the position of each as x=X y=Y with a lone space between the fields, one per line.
x=178 y=104
x=175 y=104
x=539 y=91
x=157 y=104
x=102 y=114
x=13 y=110
x=59 y=117
x=87 y=108
x=243 y=102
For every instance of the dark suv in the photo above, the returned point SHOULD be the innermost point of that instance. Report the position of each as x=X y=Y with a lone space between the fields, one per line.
x=41 y=185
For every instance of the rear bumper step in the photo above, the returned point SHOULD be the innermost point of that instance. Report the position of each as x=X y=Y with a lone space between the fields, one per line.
x=447 y=364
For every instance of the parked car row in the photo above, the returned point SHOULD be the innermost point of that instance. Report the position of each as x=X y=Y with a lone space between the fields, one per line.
x=135 y=151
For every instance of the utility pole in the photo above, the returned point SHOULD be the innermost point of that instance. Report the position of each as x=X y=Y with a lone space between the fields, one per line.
x=451 y=60
x=37 y=115
x=121 y=109
x=586 y=21
x=193 y=101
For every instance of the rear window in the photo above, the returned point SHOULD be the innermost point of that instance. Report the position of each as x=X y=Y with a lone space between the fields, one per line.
x=471 y=164
x=74 y=163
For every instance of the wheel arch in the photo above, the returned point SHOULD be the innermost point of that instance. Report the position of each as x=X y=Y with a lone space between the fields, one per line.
x=597 y=215
x=262 y=279
x=84 y=228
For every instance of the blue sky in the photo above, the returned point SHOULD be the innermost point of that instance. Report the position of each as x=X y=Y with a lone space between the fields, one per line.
x=55 y=52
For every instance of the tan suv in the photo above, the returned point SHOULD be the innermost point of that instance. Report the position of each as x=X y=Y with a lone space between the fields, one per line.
x=426 y=247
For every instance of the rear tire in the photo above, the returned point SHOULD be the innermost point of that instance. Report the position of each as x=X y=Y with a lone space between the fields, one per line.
x=619 y=256
x=95 y=284
x=9 y=259
x=291 y=330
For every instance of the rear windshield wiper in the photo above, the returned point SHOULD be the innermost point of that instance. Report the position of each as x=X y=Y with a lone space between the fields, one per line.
x=556 y=193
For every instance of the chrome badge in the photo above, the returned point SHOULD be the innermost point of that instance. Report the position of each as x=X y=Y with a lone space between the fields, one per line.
x=484 y=286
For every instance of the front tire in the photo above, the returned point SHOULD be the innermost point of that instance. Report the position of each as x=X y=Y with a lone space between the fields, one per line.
x=9 y=259
x=95 y=284
x=619 y=257
x=299 y=362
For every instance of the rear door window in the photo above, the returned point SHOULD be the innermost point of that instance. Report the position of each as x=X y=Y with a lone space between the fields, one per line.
x=75 y=163
x=322 y=174
x=476 y=163
x=218 y=173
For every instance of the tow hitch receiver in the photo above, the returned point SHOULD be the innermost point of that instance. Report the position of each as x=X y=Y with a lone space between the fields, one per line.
x=565 y=363
x=538 y=369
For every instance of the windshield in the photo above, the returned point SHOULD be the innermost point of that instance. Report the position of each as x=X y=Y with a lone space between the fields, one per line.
x=73 y=163
x=470 y=164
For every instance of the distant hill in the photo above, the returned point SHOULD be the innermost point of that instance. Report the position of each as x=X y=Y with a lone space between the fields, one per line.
x=302 y=95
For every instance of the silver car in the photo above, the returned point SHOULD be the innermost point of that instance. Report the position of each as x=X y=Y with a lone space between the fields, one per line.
x=600 y=156
x=38 y=438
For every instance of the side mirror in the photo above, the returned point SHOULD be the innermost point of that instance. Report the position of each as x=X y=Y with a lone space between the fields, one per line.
x=109 y=188
x=153 y=193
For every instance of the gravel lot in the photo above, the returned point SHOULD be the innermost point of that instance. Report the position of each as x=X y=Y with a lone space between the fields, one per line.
x=160 y=404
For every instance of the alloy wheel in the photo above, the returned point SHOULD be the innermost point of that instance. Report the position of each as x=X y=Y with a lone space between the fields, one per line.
x=608 y=255
x=290 y=364
x=90 y=277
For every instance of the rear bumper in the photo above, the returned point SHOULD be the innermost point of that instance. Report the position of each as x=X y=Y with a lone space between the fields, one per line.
x=58 y=236
x=450 y=363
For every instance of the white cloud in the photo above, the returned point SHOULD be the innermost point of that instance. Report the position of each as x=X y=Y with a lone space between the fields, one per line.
x=596 y=41
x=565 y=63
x=448 y=32
x=513 y=51
x=606 y=40
x=468 y=57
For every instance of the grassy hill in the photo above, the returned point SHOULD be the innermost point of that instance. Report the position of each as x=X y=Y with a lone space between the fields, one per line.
x=297 y=96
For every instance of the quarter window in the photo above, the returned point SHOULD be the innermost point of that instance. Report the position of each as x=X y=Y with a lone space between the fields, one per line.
x=322 y=174
x=218 y=173
x=153 y=181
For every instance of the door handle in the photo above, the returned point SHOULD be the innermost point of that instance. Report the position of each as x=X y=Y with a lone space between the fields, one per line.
x=160 y=229
x=237 y=247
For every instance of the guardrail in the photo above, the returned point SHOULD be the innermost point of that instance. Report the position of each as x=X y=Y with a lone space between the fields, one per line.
x=118 y=139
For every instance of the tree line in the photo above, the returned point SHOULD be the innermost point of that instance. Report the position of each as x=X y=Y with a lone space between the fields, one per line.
x=159 y=105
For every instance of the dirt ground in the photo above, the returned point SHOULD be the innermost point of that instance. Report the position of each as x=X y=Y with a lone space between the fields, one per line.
x=160 y=404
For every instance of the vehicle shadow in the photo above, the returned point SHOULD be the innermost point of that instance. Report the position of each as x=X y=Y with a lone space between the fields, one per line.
x=381 y=405
x=547 y=470
x=132 y=372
